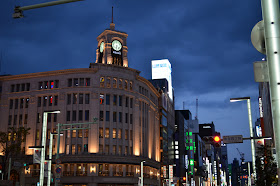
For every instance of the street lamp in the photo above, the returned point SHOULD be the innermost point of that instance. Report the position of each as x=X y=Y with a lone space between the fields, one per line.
x=44 y=137
x=142 y=179
x=251 y=130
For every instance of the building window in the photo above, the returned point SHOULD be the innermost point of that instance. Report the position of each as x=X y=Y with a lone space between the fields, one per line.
x=81 y=98
x=85 y=147
x=107 y=99
x=125 y=150
x=120 y=134
x=120 y=84
x=100 y=132
x=125 y=85
x=107 y=133
x=15 y=119
x=107 y=115
x=126 y=134
x=114 y=133
x=108 y=82
x=130 y=85
x=10 y=120
x=16 y=103
x=46 y=84
x=101 y=81
x=107 y=152
x=115 y=100
x=120 y=101
x=101 y=99
x=130 y=136
x=26 y=102
x=45 y=101
x=120 y=117
x=21 y=103
x=25 y=118
x=86 y=98
x=67 y=149
x=38 y=117
x=11 y=103
x=131 y=118
x=120 y=150
x=131 y=102
x=49 y=117
x=114 y=116
x=75 y=96
x=87 y=82
x=86 y=133
x=115 y=83
x=40 y=85
x=55 y=100
x=37 y=134
x=101 y=152
x=69 y=82
x=74 y=115
x=50 y=100
x=114 y=149
x=23 y=87
x=80 y=115
x=12 y=88
x=126 y=117
x=68 y=99
x=126 y=101
x=56 y=83
x=82 y=82
x=74 y=133
x=51 y=84
x=80 y=133
x=68 y=116
x=17 y=88
x=76 y=82
x=73 y=149
x=101 y=115
x=54 y=117
x=86 y=115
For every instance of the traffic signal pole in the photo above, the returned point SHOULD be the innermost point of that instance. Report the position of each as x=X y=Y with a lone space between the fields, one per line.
x=270 y=13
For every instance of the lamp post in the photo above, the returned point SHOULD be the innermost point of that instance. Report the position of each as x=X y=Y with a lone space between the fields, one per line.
x=251 y=130
x=142 y=179
x=44 y=137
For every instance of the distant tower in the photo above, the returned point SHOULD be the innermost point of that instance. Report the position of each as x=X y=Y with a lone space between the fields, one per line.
x=112 y=48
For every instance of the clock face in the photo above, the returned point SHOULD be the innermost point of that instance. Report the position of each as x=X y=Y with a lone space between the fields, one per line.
x=101 y=47
x=116 y=45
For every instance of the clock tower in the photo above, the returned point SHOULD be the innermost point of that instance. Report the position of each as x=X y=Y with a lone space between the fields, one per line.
x=112 y=48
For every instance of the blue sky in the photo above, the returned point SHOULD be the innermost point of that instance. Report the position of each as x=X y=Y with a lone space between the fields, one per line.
x=207 y=42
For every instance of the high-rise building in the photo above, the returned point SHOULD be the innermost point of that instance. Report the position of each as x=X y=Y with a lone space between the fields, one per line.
x=125 y=104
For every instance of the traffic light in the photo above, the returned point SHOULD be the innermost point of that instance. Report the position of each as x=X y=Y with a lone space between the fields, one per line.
x=217 y=141
x=184 y=179
x=214 y=140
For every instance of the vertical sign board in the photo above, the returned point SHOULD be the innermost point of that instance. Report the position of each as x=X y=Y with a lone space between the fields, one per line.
x=164 y=171
x=186 y=161
x=37 y=156
x=171 y=173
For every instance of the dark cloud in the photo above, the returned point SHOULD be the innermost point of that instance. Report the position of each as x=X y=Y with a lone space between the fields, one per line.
x=207 y=42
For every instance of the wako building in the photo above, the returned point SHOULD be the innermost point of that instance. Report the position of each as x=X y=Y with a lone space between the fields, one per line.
x=126 y=105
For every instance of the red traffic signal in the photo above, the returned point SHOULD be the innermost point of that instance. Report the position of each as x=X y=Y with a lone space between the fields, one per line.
x=184 y=178
x=217 y=139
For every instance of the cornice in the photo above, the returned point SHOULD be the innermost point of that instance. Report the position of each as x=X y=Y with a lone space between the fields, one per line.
x=48 y=73
x=149 y=84
x=108 y=31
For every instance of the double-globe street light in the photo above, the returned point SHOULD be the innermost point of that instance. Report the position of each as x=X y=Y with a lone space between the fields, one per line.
x=251 y=130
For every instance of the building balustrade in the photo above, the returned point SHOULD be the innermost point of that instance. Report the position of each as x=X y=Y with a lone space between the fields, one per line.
x=81 y=173
x=117 y=173
x=103 y=173
x=68 y=173
x=130 y=174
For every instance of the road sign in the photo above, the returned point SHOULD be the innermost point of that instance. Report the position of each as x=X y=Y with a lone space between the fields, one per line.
x=57 y=180
x=58 y=170
x=233 y=139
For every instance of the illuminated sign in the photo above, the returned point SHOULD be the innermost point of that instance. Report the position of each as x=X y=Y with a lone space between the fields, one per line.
x=186 y=161
x=259 y=131
x=260 y=107
x=164 y=171
x=207 y=127
x=162 y=69
x=171 y=173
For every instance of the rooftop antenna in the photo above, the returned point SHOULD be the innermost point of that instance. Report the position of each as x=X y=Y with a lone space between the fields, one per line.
x=112 y=25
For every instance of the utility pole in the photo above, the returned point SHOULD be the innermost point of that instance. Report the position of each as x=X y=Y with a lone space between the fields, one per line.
x=18 y=11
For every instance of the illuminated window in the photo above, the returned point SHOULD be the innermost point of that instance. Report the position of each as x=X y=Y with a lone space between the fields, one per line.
x=120 y=84
x=114 y=82
x=125 y=85
x=107 y=133
x=80 y=133
x=52 y=84
x=67 y=149
x=87 y=82
x=101 y=81
x=114 y=133
x=101 y=98
x=50 y=100
x=126 y=134
x=130 y=85
x=73 y=149
x=120 y=134
x=73 y=133
x=9 y=136
x=79 y=148
x=86 y=133
x=38 y=117
x=37 y=134
x=100 y=132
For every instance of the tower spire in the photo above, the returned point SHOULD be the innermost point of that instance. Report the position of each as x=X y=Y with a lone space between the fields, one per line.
x=112 y=25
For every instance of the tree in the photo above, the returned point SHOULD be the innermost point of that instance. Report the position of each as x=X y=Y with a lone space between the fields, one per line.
x=266 y=167
x=10 y=144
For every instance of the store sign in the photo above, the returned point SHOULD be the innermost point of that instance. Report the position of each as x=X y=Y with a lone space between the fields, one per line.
x=164 y=171
x=171 y=173
x=261 y=107
x=186 y=162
